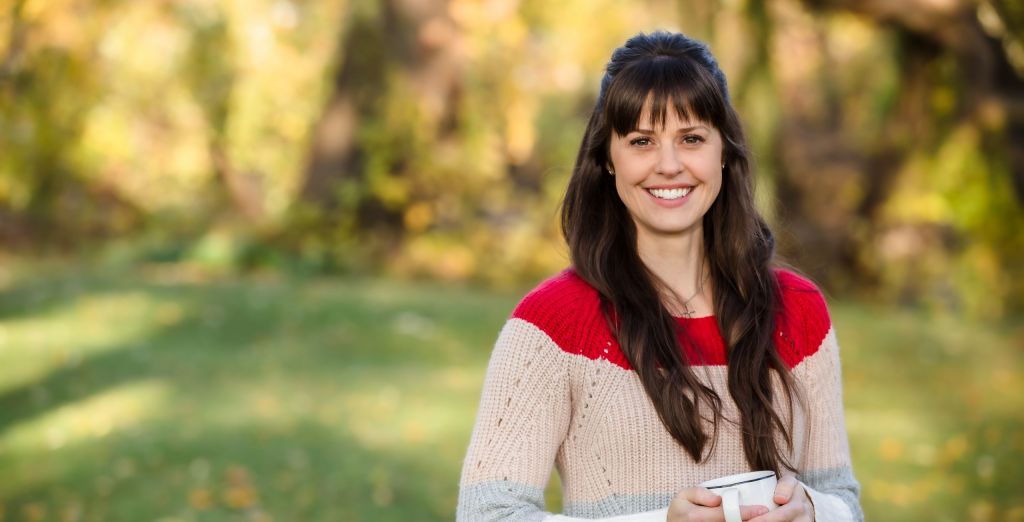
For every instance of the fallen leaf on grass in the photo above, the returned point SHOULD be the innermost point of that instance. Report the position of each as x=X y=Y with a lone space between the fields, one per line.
x=200 y=499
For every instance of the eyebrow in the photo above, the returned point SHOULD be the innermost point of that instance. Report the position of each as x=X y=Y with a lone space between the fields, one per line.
x=681 y=129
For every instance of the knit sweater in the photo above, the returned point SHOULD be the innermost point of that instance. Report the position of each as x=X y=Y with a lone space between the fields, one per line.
x=559 y=391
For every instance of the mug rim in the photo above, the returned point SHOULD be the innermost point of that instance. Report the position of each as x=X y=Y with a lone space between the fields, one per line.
x=736 y=480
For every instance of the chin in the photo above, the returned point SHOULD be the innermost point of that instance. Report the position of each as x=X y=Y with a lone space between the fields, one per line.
x=673 y=230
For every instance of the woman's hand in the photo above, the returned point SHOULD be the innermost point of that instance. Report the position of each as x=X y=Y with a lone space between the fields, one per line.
x=794 y=503
x=701 y=505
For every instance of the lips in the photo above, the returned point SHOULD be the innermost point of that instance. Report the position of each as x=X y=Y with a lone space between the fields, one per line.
x=670 y=193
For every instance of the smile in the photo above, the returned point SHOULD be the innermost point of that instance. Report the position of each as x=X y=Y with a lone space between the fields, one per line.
x=673 y=193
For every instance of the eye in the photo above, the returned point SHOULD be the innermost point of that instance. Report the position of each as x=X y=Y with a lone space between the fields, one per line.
x=693 y=139
x=642 y=141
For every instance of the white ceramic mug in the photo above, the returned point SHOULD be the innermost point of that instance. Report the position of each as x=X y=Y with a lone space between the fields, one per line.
x=756 y=488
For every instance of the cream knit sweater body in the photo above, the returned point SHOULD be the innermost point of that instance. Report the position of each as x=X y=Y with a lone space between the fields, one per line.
x=559 y=391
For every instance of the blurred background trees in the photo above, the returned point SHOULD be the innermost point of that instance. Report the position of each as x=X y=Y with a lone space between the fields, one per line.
x=179 y=161
x=433 y=138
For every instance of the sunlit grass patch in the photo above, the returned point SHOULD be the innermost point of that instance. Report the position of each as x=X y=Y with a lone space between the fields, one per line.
x=75 y=326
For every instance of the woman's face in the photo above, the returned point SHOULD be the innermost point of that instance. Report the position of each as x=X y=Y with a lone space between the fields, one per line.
x=667 y=177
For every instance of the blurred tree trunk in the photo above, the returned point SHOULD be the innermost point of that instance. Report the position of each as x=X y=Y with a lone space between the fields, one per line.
x=211 y=77
x=390 y=49
x=30 y=85
x=15 y=45
x=15 y=222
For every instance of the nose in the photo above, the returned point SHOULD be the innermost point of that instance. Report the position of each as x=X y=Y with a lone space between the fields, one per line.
x=668 y=162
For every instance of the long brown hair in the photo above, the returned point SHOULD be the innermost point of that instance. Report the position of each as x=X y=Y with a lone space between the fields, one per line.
x=669 y=69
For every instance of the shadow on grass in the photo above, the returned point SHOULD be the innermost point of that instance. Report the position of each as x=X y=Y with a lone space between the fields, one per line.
x=249 y=368
x=245 y=332
x=306 y=472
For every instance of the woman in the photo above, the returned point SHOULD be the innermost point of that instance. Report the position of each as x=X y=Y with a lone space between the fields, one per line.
x=673 y=351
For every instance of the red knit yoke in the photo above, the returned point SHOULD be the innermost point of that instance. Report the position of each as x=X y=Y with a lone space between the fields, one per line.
x=568 y=310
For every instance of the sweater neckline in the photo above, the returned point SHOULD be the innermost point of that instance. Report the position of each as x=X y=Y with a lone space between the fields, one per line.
x=693 y=319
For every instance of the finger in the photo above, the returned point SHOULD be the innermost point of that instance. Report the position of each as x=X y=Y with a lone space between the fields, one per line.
x=715 y=514
x=749 y=512
x=780 y=514
x=707 y=514
x=784 y=489
x=786 y=513
x=703 y=497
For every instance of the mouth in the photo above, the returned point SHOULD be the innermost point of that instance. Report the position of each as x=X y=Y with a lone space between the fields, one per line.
x=670 y=193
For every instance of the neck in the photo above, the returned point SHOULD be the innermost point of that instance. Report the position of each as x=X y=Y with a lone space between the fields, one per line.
x=680 y=263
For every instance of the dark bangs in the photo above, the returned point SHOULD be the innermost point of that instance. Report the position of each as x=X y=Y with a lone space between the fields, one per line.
x=665 y=81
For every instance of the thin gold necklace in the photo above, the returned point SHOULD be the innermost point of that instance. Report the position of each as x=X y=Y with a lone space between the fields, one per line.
x=687 y=312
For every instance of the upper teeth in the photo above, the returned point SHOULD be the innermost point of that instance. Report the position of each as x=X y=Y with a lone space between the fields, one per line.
x=674 y=193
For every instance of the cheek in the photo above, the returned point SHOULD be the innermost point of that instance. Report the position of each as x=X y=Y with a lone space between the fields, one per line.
x=621 y=186
x=716 y=186
x=717 y=180
x=712 y=172
x=629 y=194
x=713 y=181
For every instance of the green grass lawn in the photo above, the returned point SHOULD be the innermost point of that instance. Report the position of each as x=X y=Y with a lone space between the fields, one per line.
x=156 y=394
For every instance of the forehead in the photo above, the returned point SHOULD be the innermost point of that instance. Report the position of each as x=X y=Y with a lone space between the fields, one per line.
x=658 y=109
x=669 y=116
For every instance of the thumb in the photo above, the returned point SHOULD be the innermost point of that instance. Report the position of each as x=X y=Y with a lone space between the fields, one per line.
x=784 y=490
x=706 y=498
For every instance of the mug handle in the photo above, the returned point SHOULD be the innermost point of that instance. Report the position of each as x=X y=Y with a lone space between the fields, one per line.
x=731 y=504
